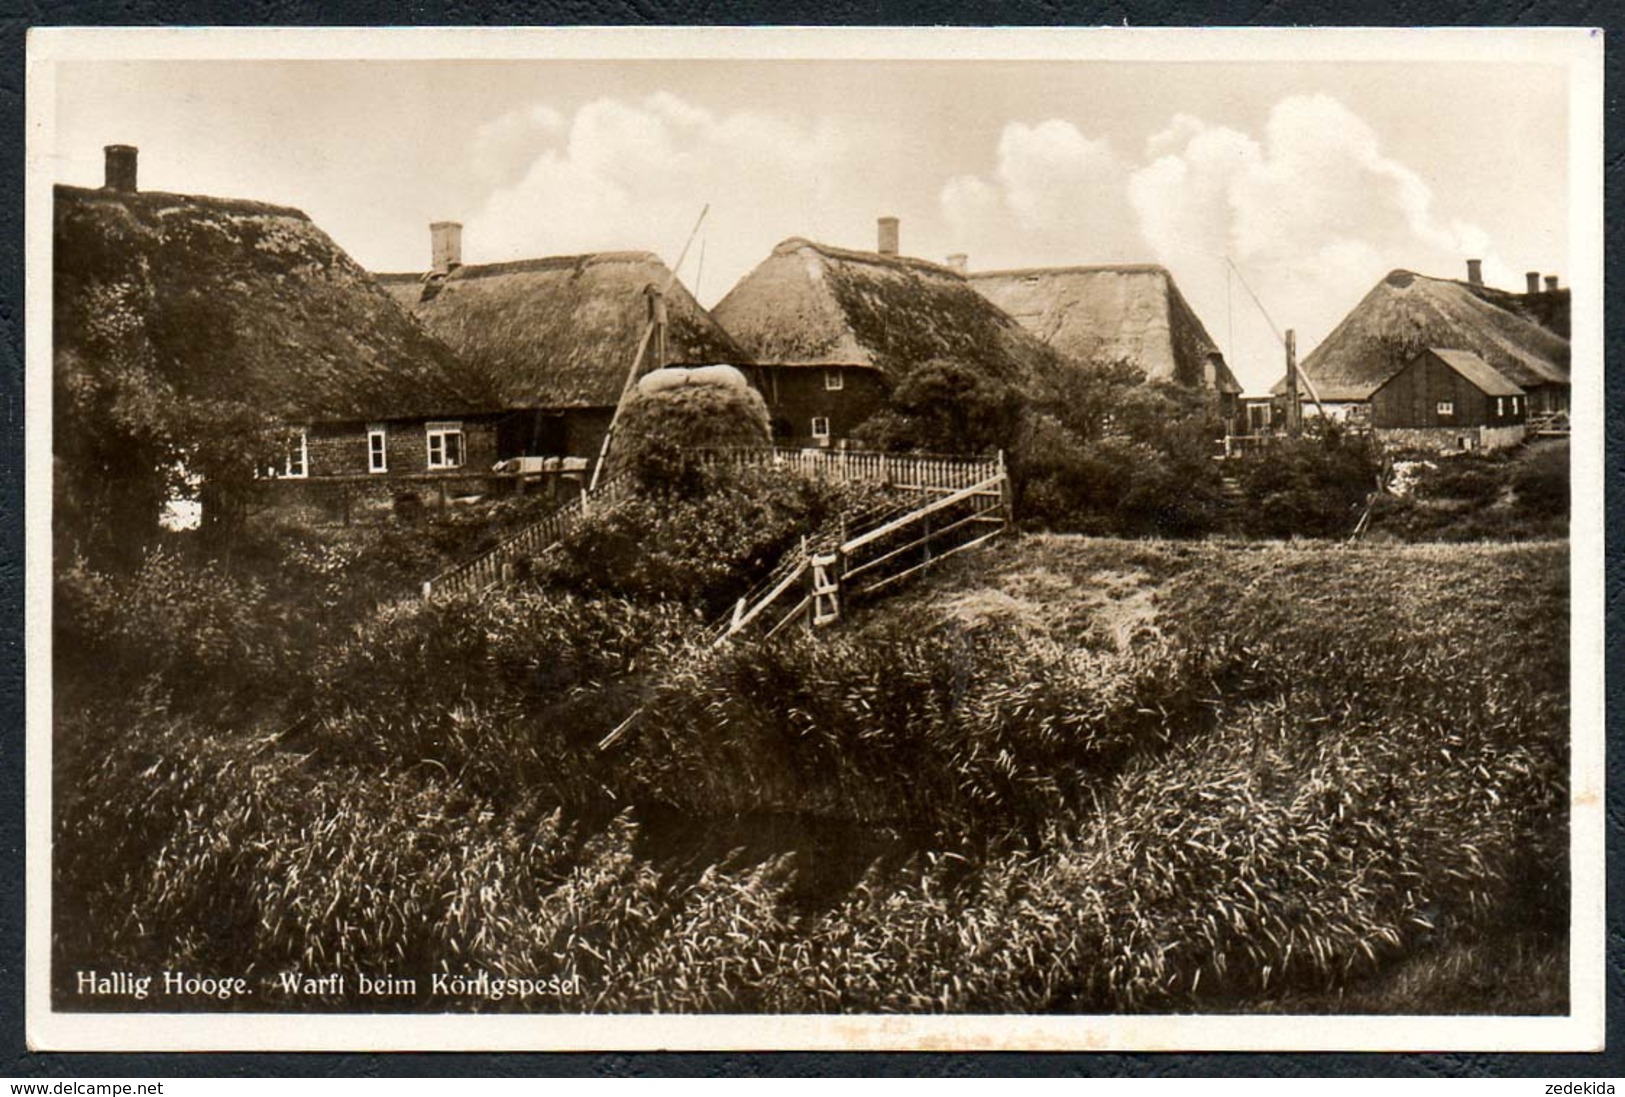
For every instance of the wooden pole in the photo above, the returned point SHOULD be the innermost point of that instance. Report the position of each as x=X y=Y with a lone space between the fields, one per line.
x=1294 y=410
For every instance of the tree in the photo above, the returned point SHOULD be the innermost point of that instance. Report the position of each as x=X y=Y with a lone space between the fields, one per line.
x=944 y=406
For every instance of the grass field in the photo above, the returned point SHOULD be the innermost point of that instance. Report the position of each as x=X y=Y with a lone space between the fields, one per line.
x=1059 y=775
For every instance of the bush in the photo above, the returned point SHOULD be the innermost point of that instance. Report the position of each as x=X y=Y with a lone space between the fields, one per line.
x=1541 y=483
x=509 y=691
x=1468 y=478
x=702 y=550
x=1313 y=487
x=945 y=406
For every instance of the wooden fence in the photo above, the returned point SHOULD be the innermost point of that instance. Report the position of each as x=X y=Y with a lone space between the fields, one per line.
x=905 y=471
x=931 y=474
x=486 y=569
x=815 y=583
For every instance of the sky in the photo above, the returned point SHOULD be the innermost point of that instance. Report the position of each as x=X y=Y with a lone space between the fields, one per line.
x=1312 y=179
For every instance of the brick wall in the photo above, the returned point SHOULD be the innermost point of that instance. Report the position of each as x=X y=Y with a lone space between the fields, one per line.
x=341 y=450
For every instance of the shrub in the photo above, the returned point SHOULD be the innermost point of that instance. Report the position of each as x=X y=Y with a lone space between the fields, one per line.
x=703 y=550
x=1473 y=479
x=1314 y=487
x=509 y=691
x=1541 y=483
x=945 y=406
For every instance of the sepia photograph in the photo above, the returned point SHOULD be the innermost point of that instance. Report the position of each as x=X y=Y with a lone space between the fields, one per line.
x=814 y=539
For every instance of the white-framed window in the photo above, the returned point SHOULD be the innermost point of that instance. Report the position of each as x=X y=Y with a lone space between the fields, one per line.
x=1500 y=405
x=1517 y=405
x=296 y=463
x=820 y=426
x=834 y=380
x=445 y=445
x=1445 y=407
x=377 y=448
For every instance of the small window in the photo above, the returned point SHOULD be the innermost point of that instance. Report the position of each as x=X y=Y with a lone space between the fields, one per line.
x=1500 y=405
x=445 y=445
x=820 y=426
x=377 y=449
x=833 y=380
x=297 y=462
x=1445 y=407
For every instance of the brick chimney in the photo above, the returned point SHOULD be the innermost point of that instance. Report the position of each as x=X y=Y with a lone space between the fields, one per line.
x=888 y=236
x=1532 y=279
x=959 y=261
x=1551 y=283
x=1475 y=272
x=446 y=246
x=120 y=171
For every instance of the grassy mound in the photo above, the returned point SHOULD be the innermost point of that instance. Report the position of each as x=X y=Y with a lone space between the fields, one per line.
x=1059 y=775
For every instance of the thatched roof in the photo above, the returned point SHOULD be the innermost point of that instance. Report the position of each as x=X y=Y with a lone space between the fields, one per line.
x=1133 y=313
x=246 y=303
x=562 y=332
x=810 y=304
x=1407 y=313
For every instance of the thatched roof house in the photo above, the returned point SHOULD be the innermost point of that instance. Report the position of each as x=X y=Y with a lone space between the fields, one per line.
x=1130 y=313
x=561 y=332
x=810 y=304
x=245 y=303
x=1406 y=313
x=833 y=330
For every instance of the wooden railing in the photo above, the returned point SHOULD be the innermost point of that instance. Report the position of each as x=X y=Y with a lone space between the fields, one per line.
x=814 y=583
x=928 y=473
x=485 y=569
x=903 y=471
x=1549 y=423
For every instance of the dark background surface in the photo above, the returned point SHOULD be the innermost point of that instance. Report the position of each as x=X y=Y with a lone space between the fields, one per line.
x=15 y=19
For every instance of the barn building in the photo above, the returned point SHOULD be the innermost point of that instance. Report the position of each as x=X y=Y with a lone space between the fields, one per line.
x=1132 y=314
x=1449 y=400
x=833 y=330
x=1407 y=313
x=244 y=308
x=554 y=338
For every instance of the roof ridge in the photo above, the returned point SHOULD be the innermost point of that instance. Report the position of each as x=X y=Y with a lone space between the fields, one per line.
x=237 y=205
x=1078 y=268
x=797 y=243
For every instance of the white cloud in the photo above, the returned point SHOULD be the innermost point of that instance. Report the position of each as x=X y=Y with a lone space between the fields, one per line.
x=1313 y=214
x=1055 y=195
x=624 y=174
x=505 y=144
x=1311 y=210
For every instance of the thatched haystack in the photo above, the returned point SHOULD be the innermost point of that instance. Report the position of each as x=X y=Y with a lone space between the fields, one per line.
x=810 y=304
x=561 y=332
x=672 y=413
x=1130 y=313
x=241 y=303
x=1407 y=313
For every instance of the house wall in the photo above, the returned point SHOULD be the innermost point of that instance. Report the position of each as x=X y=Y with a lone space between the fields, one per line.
x=796 y=395
x=1450 y=439
x=584 y=430
x=340 y=449
x=1545 y=399
x=1410 y=399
